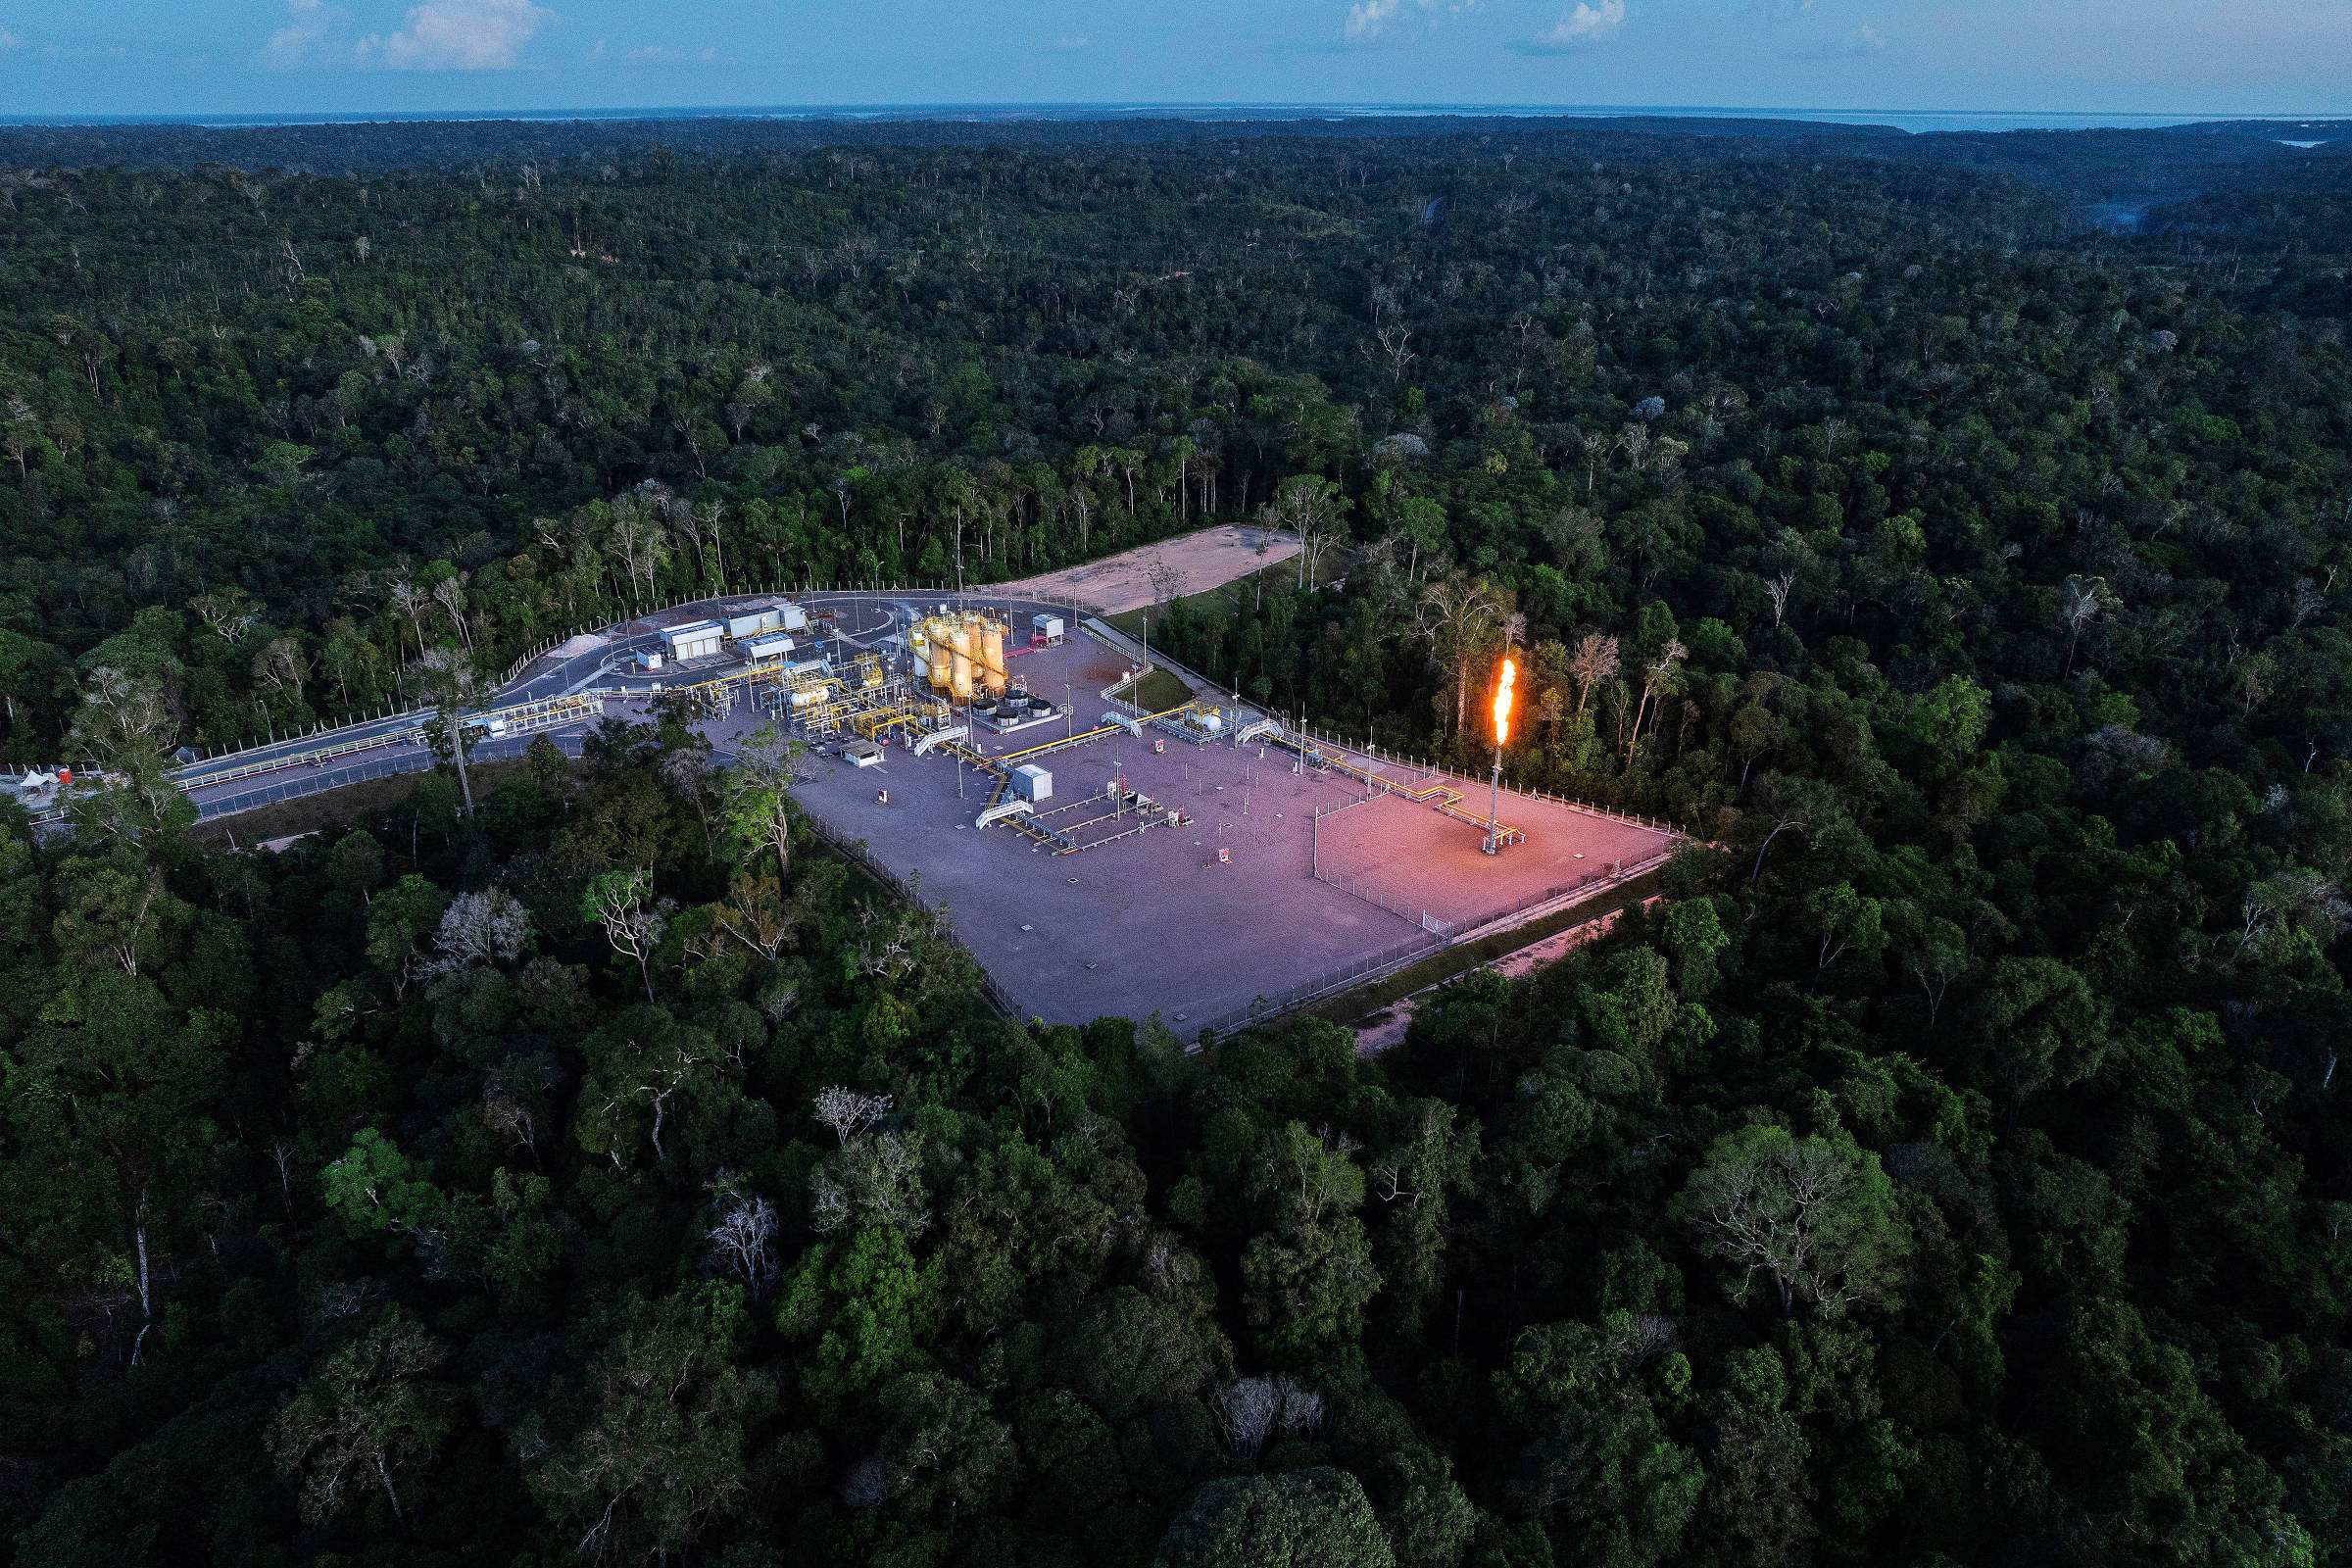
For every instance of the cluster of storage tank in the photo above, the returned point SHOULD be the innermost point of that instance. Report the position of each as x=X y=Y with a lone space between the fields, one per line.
x=1013 y=708
x=961 y=650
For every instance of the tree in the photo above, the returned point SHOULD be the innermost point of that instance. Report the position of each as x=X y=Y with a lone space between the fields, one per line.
x=1626 y=1489
x=621 y=902
x=1594 y=661
x=1167 y=583
x=227 y=612
x=1815 y=1216
x=847 y=1111
x=1694 y=934
x=1313 y=1518
x=445 y=675
x=2081 y=601
x=867 y=1304
x=550 y=768
x=1462 y=616
x=400 y=920
x=743 y=1240
x=1847 y=922
x=283 y=665
x=1657 y=681
x=1790 y=805
x=1305 y=1290
x=364 y=1414
x=111 y=911
x=1308 y=507
x=2041 y=1023
x=122 y=723
x=1422 y=521
x=757 y=814
x=644 y=1061
x=110 y=1109
x=490 y=926
x=648 y=1452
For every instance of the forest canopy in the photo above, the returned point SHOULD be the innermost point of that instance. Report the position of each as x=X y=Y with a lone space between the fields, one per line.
x=1945 y=1169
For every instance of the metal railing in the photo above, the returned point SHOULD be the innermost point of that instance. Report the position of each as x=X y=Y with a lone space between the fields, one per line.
x=1353 y=886
x=1456 y=933
x=1263 y=1010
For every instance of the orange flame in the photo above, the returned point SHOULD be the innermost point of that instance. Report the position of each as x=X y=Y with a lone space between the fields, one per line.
x=1502 y=704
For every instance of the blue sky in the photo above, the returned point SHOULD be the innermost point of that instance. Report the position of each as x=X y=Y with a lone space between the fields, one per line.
x=2201 y=56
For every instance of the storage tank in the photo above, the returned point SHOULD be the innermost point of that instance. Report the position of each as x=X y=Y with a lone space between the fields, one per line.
x=937 y=654
x=960 y=661
x=988 y=636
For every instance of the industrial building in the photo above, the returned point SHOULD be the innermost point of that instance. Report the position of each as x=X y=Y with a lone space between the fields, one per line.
x=779 y=616
x=697 y=639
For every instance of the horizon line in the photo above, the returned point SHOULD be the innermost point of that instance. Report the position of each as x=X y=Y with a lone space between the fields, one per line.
x=254 y=118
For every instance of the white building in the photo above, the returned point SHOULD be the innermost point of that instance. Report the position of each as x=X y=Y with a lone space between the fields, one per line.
x=767 y=644
x=698 y=639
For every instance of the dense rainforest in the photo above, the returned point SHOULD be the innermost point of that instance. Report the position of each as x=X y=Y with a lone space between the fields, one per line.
x=1945 y=1171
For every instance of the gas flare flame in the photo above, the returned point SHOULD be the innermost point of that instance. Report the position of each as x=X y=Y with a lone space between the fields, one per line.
x=1502 y=704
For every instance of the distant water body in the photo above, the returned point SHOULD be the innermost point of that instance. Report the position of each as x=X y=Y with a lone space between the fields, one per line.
x=1926 y=121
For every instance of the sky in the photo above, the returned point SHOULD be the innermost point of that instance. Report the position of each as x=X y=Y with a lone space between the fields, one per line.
x=2205 y=58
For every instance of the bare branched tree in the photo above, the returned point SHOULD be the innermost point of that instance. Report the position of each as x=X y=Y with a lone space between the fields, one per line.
x=849 y=1111
x=2081 y=601
x=743 y=1242
x=490 y=926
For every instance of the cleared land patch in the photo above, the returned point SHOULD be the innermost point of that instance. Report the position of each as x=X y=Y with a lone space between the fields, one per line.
x=1205 y=559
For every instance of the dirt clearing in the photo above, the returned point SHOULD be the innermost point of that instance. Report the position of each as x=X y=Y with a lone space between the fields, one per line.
x=1209 y=558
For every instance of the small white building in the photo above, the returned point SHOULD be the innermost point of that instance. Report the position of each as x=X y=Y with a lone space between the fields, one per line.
x=862 y=753
x=1031 y=782
x=697 y=639
x=767 y=644
x=1047 y=627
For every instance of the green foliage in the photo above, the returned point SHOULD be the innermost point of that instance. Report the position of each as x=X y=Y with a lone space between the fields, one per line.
x=1814 y=1215
x=1310 y=1517
x=867 y=1304
x=1962 y=582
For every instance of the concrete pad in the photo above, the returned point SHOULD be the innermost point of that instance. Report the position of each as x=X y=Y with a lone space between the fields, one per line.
x=1414 y=858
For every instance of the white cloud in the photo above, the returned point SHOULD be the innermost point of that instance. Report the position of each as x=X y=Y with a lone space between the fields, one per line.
x=1368 y=19
x=9 y=41
x=1582 y=27
x=1071 y=43
x=458 y=35
x=305 y=30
